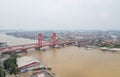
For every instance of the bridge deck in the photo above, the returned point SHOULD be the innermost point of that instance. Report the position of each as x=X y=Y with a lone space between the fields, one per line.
x=29 y=46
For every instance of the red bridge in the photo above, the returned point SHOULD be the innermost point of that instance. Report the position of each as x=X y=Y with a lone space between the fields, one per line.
x=19 y=48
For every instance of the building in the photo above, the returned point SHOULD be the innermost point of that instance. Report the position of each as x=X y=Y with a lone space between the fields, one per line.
x=27 y=63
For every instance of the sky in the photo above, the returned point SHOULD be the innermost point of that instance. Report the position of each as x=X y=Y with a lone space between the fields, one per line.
x=60 y=14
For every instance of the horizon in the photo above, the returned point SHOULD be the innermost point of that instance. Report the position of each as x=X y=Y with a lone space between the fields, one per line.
x=57 y=30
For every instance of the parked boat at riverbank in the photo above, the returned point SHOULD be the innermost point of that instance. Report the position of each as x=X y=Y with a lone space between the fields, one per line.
x=110 y=49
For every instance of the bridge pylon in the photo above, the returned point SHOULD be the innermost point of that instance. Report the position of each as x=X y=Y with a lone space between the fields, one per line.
x=54 y=39
x=39 y=40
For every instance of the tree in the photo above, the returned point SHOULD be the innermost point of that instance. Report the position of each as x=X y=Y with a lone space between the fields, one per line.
x=11 y=65
x=2 y=73
x=116 y=46
x=12 y=69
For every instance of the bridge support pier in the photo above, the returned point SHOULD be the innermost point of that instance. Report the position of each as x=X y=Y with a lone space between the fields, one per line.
x=62 y=45
x=38 y=48
x=53 y=46
x=79 y=44
x=24 y=51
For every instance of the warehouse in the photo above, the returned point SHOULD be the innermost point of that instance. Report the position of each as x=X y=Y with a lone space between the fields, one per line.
x=27 y=63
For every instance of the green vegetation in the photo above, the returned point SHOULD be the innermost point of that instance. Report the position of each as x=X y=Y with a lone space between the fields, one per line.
x=2 y=73
x=116 y=46
x=10 y=64
x=105 y=45
x=112 y=45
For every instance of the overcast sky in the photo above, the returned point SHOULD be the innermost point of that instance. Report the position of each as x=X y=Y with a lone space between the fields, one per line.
x=60 y=14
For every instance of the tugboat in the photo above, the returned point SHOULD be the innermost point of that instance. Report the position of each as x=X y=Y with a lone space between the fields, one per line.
x=43 y=72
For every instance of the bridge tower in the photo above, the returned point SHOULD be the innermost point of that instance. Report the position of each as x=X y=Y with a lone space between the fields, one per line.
x=40 y=40
x=54 y=39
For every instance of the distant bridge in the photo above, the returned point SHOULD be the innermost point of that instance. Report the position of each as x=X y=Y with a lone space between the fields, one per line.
x=25 y=47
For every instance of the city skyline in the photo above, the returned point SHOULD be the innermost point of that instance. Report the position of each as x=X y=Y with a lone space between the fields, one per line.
x=59 y=15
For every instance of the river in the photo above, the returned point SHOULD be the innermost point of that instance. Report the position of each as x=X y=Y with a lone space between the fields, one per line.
x=71 y=61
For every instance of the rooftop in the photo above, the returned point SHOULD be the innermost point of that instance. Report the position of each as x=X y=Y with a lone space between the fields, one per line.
x=25 y=61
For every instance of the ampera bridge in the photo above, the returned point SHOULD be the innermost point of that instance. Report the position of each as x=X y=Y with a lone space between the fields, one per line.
x=38 y=46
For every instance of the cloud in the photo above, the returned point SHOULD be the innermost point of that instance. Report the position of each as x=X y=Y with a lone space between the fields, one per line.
x=104 y=14
x=98 y=3
x=42 y=14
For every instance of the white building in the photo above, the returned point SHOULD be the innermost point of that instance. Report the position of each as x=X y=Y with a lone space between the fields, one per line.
x=27 y=63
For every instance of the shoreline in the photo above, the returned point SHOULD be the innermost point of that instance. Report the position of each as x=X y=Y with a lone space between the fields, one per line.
x=11 y=40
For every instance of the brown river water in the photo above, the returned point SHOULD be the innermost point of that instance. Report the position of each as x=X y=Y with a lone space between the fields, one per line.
x=71 y=61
